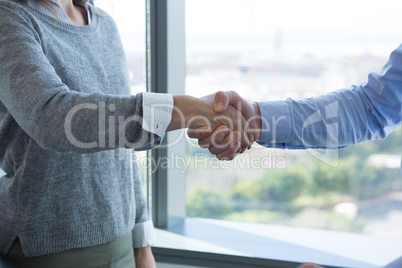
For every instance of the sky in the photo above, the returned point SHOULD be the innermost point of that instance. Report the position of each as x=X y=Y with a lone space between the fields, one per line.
x=241 y=16
x=350 y=19
x=265 y=16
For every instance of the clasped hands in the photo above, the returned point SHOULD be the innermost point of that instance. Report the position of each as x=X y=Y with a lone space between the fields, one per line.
x=224 y=123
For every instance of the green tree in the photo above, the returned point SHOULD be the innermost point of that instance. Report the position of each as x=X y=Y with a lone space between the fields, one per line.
x=202 y=202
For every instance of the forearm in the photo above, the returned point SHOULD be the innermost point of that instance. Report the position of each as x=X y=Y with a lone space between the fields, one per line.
x=140 y=252
x=182 y=112
x=257 y=114
x=192 y=112
x=368 y=111
x=334 y=120
x=144 y=258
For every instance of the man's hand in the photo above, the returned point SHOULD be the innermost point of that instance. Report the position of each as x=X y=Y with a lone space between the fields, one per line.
x=250 y=112
x=144 y=258
x=218 y=142
x=230 y=127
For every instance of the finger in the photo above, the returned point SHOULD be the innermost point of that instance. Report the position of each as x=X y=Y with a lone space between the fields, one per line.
x=237 y=153
x=231 y=151
x=242 y=150
x=247 y=110
x=215 y=138
x=240 y=104
x=226 y=153
x=226 y=144
x=199 y=133
x=238 y=122
x=221 y=102
x=229 y=154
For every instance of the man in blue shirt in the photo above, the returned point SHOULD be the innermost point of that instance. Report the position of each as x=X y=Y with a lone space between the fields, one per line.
x=368 y=111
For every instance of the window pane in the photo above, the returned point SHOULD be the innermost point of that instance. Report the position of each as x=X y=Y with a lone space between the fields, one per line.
x=130 y=19
x=269 y=50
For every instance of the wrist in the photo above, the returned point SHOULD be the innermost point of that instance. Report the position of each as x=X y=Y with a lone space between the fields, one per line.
x=191 y=112
x=141 y=252
x=182 y=112
x=257 y=115
x=144 y=257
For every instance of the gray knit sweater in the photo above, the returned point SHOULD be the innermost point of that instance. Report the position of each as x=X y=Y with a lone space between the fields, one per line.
x=65 y=110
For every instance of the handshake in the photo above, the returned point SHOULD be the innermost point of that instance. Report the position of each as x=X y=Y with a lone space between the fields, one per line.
x=224 y=122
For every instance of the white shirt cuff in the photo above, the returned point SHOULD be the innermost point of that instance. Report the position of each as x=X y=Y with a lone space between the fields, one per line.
x=157 y=112
x=143 y=234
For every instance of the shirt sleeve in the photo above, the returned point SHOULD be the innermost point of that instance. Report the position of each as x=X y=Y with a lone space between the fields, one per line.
x=368 y=111
x=143 y=234
x=156 y=116
x=157 y=112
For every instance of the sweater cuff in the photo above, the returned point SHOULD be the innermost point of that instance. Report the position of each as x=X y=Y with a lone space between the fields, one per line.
x=143 y=234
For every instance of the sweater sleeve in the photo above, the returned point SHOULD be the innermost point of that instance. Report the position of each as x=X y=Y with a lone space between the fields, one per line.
x=143 y=233
x=48 y=111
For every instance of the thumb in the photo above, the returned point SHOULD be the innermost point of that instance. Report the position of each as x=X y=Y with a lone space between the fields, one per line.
x=221 y=102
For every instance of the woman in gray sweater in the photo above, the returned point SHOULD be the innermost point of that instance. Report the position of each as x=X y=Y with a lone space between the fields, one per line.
x=71 y=197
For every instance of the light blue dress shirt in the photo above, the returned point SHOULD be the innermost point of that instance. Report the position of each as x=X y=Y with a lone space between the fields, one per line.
x=368 y=111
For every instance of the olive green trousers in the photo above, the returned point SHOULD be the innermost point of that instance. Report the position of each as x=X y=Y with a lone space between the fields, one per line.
x=115 y=254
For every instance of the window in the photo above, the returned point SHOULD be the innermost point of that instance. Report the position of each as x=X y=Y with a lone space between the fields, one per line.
x=130 y=17
x=265 y=50
x=271 y=50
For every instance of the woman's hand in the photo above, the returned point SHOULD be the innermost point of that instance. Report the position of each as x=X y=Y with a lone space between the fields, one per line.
x=229 y=127
x=144 y=258
x=219 y=141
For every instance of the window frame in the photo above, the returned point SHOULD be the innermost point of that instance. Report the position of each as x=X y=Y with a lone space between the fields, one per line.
x=166 y=71
x=165 y=36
